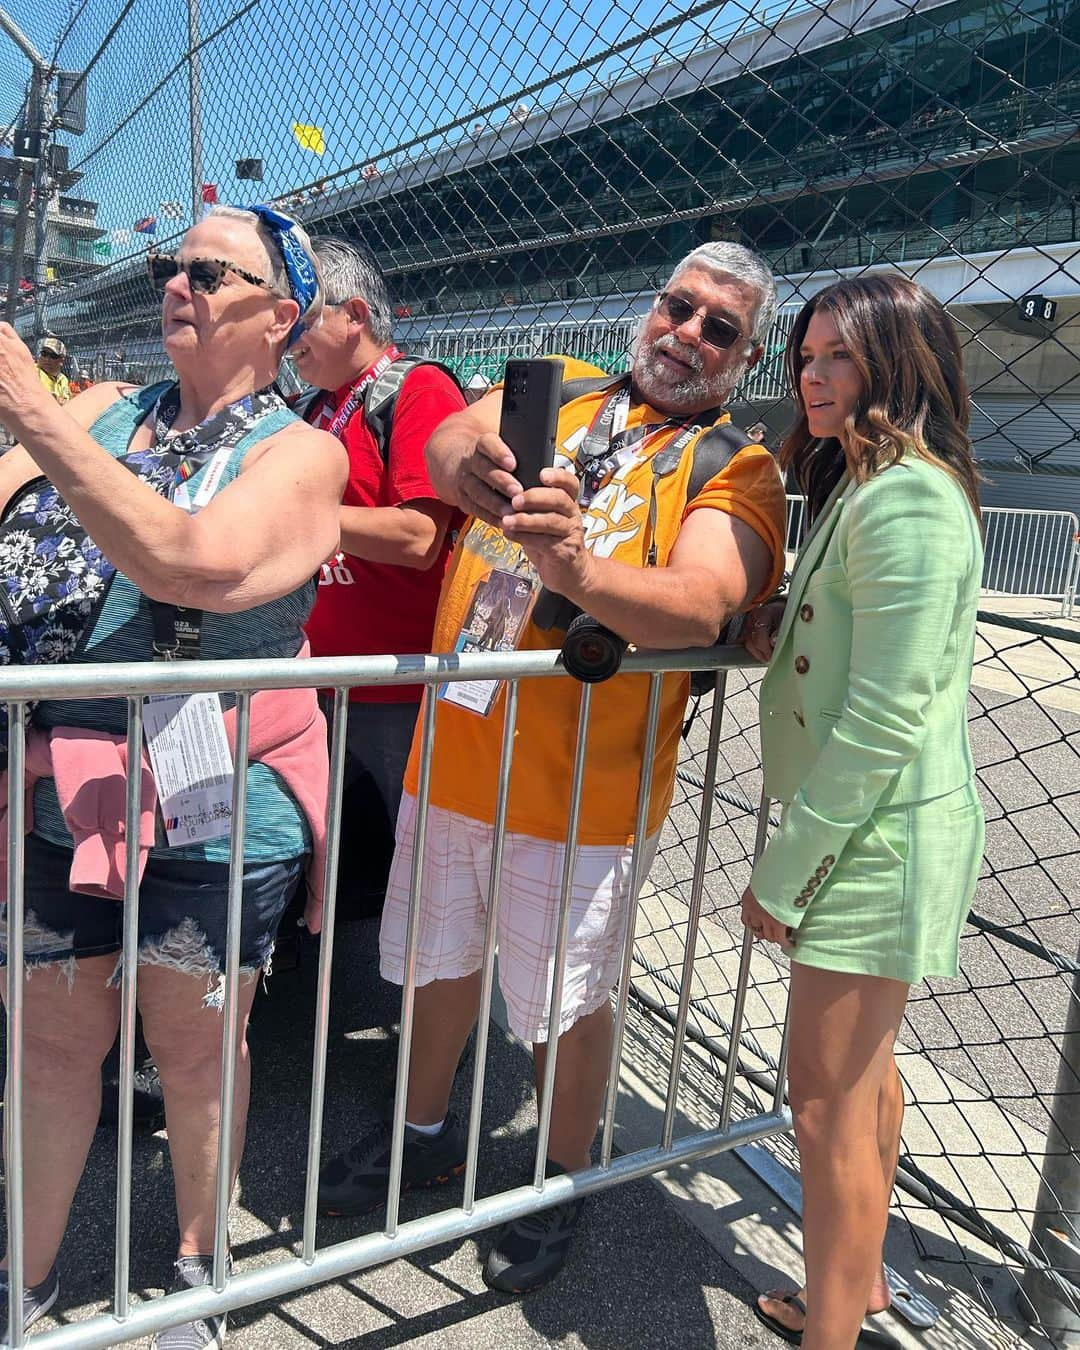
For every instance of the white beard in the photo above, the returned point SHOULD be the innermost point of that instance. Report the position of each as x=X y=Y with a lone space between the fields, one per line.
x=695 y=391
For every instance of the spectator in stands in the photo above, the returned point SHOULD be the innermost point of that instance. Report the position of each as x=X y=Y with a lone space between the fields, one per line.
x=718 y=545
x=50 y=365
x=223 y=509
x=868 y=879
x=380 y=592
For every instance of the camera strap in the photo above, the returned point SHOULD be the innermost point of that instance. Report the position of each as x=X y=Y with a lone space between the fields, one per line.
x=609 y=444
x=177 y=631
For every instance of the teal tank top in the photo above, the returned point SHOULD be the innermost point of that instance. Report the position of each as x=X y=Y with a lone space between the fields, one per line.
x=276 y=828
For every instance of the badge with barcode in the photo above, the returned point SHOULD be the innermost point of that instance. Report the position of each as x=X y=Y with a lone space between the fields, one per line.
x=494 y=622
x=192 y=765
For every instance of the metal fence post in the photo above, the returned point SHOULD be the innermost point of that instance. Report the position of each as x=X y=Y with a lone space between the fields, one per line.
x=1055 y=1229
x=1069 y=597
x=22 y=216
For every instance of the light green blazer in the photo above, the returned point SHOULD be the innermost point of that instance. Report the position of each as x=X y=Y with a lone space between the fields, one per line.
x=864 y=704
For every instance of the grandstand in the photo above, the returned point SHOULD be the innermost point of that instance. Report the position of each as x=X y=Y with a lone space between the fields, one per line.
x=938 y=137
x=73 y=239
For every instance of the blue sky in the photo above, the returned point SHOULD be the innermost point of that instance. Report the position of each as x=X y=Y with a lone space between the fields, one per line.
x=371 y=76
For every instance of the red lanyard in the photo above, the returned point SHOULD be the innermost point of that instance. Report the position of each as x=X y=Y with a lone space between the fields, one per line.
x=359 y=389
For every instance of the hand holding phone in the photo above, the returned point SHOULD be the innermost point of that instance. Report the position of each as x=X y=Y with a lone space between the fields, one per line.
x=530 y=414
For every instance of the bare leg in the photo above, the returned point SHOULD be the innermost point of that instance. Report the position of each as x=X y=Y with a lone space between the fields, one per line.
x=889 y=1117
x=580 y=1078
x=185 y=1037
x=66 y=1035
x=444 y=1014
x=844 y=1029
x=890 y=1120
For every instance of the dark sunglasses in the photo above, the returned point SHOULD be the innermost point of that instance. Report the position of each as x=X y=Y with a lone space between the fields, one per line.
x=204 y=275
x=715 y=331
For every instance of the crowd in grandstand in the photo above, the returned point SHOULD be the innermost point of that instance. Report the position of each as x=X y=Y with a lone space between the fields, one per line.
x=203 y=517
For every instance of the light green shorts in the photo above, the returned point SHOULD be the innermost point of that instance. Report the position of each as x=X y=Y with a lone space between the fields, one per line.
x=896 y=901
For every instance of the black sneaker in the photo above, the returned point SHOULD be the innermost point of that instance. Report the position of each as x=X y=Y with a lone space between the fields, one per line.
x=191 y=1273
x=37 y=1300
x=530 y=1251
x=357 y=1180
x=148 y=1101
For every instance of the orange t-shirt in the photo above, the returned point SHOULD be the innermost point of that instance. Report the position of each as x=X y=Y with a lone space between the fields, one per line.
x=467 y=745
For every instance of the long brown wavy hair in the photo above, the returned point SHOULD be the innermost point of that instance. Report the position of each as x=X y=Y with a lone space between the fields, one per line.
x=914 y=399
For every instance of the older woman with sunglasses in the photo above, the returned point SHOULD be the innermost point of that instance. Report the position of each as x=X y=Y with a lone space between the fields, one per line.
x=207 y=509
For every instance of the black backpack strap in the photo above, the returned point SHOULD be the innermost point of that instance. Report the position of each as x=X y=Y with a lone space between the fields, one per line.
x=382 y=396
x=306 y=403
x=589 y=384
x=712 y=452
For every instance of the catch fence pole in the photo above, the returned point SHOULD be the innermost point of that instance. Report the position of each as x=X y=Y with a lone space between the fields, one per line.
x=1055 y=1229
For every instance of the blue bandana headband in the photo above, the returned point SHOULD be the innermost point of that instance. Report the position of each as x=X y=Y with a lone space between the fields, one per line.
x=299 y=268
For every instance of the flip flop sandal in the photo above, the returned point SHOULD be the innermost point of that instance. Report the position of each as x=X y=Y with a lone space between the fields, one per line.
x=867 y=1335
x=872 y=1336
x=774 y=1324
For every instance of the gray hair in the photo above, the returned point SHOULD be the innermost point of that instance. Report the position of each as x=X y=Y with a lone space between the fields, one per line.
x=279 y=277
x=734 y=260
x=350 y=272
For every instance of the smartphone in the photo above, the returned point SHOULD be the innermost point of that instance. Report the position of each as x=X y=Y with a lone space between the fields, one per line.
x=530 y=412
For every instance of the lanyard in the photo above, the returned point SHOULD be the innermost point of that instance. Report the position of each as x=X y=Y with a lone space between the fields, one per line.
x=609 y=443
x=359 y=389
x=177 y=630
x=212 y=439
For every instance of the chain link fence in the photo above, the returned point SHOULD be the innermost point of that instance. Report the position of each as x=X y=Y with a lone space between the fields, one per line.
x=980 y=1057
x=526 y=176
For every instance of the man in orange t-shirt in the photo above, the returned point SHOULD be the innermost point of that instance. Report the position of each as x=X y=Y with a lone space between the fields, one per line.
x=617 y=529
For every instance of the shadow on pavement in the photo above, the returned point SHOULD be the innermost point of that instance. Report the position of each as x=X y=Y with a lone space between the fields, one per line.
x=639 y=1276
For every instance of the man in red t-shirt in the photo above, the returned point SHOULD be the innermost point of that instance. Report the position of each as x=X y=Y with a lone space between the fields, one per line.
x=380 y=592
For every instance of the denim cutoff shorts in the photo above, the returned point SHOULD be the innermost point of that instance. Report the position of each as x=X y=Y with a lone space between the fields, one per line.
x=183 y=909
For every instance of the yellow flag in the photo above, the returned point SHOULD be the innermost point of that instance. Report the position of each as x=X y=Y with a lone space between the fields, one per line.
x=50 y=274
x=309 y=138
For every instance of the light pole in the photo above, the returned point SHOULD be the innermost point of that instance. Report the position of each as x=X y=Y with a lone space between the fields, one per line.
x=43 y=191
x=35 y=141
x=195 y=110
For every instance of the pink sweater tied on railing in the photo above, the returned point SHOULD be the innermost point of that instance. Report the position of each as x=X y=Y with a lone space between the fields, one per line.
x=287 y=734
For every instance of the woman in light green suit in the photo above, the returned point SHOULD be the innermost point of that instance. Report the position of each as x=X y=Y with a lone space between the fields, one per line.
x=868 y=879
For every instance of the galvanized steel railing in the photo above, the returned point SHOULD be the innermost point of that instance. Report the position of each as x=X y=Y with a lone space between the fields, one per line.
x=314 y=1265
x=1034 y=553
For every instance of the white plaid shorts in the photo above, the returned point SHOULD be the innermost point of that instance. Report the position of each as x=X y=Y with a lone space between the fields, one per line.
x=453 y=912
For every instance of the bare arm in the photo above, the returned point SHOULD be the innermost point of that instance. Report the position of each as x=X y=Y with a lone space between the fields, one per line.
x=716 y=568
x=17 y=465
x=257 y=539
x=409 y=535
x=409 y=531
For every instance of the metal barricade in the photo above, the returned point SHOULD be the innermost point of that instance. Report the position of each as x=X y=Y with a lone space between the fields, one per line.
x=796 y=521
x=1032 y=553
x=316 y=1264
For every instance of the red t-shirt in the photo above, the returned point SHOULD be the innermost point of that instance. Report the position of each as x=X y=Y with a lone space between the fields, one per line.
x=369 y=608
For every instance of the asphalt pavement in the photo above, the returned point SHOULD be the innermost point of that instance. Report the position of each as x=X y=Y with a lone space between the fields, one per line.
x=641 y=1276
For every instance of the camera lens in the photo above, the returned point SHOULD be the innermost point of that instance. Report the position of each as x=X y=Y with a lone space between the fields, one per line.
x=591 y=652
